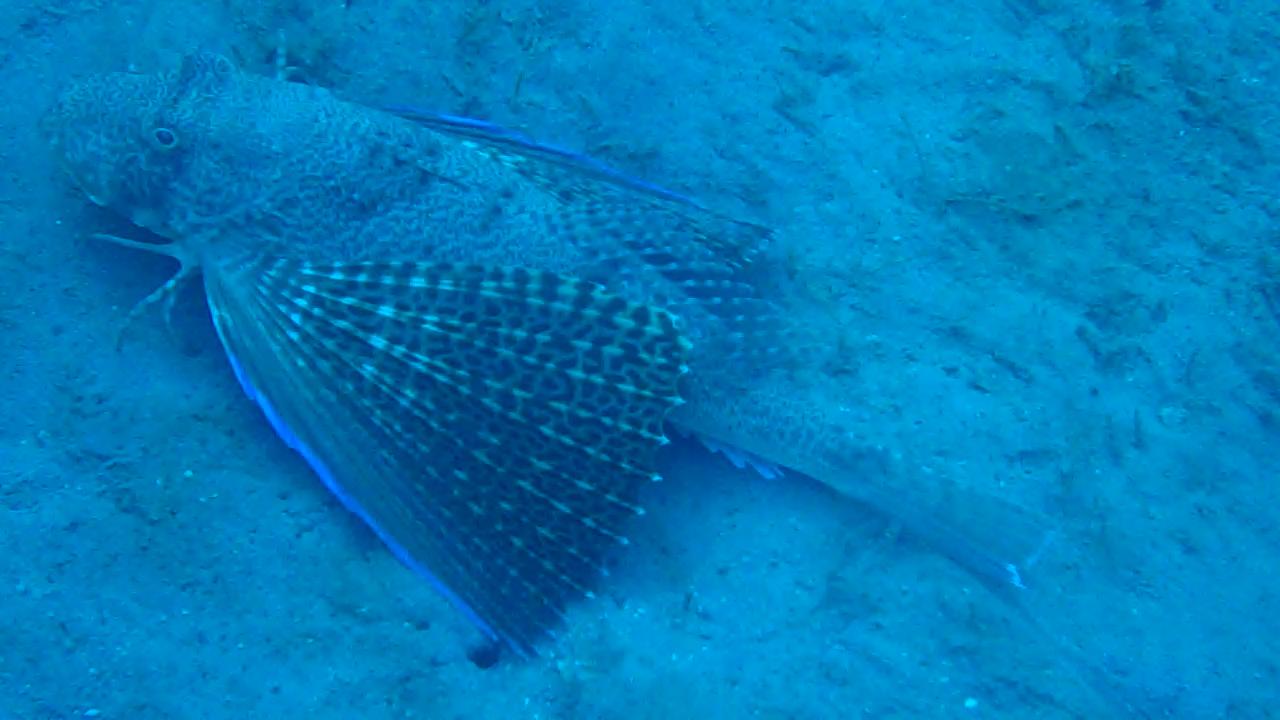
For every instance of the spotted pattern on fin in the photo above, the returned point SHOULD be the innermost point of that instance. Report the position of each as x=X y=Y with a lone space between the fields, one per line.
x=493 y=425
x=664 y=246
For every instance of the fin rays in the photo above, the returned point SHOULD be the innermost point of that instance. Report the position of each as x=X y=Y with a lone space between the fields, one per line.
x=447 y=374
x=492 y=425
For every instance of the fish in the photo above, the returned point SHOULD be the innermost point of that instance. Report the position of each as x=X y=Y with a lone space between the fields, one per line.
x=477 y=342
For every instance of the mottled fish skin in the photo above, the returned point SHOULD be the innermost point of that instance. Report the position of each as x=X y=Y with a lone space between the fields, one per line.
x=327 y=231
x=227 y=164
x=211 y=157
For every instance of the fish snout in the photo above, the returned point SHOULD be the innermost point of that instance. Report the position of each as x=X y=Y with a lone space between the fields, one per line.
x=99 y=130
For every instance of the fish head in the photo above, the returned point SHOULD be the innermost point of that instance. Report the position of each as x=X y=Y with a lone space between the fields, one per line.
x=127 y=139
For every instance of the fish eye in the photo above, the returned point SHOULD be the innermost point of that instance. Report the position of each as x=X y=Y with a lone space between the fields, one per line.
x=164 y=138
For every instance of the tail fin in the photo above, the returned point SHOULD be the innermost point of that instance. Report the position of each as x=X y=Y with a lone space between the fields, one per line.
x=993 y=539
x=492 y=426
x=997 y=541
x=1000 y=543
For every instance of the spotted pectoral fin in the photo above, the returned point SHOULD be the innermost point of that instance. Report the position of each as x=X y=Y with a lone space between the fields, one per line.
x=493 y=426
x=709 y=267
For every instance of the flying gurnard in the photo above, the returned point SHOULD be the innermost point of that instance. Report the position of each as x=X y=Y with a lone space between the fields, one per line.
x=478 y=342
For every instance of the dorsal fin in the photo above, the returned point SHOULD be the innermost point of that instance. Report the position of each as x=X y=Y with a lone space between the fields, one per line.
x=496 y=136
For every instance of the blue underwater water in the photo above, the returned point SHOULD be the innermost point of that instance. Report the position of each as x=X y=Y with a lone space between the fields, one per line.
x=1040 y=243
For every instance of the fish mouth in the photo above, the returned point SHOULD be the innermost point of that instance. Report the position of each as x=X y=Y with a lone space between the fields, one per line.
x=55 y=126
x=93 y=188
x=96 y=194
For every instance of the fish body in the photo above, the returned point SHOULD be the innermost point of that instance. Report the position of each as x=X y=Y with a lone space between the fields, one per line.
x=474 y=340
x=221 y=161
